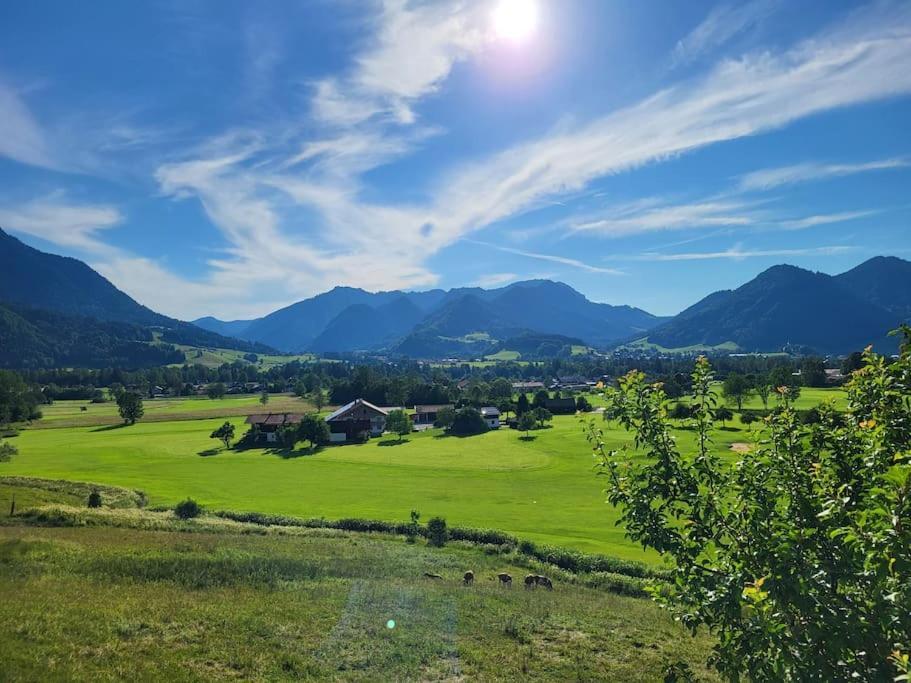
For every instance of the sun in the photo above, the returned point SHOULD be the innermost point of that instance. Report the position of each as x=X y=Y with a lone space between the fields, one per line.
x=515 y=20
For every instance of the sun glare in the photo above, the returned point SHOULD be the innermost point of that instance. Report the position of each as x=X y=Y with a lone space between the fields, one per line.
x=515 y=20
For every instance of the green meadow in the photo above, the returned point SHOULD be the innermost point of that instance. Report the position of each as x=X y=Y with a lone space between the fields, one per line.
x=193 y=601
x=544 y=488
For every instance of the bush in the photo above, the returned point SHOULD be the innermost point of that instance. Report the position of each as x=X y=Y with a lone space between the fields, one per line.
x=468 y=421
x=94 y=499
x=7 y=451
x=188 y=509
x=437 y=533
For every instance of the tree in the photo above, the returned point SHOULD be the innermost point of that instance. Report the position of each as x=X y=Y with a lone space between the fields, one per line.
x=522 y=405
x=723 y=414
x=319 y=399
x=445 y=418
x=542 y=415
x=129 y=404
x=505 y=406
x=399 y=422
x=583 y=405
x=747 y=417
x=736 y=389
x=680 y=411
x=813 y=372
x=413 y=527
x=264 y=397
x=541 y=399
x=763 y=390
x=468 y=421
x=288 y=435
x=853 y=361
x=437 y=533
x=7 y=451
x=526 y=423
x=225 y=433
x=215 y=390
x=314 y=429
x=501 y=388
x=803 y=546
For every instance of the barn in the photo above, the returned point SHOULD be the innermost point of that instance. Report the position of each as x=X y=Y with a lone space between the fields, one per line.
x=356 y=422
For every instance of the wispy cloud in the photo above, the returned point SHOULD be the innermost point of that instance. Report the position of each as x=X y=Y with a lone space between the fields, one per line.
x=495 y=279
x=56 y=219
x=723 y=23
x=23 y=139
x=642 y=217
x=825 y=219
x=737 y=254
x=768 y=178
x=552 y=258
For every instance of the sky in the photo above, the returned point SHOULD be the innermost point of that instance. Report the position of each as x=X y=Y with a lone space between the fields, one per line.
x=231 y=157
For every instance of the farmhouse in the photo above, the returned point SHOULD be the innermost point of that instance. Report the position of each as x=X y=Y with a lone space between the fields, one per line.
x=266 y=426
x=491 y=416
x=427 y=415
x=356 y=421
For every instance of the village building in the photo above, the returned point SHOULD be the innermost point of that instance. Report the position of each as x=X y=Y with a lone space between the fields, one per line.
x=356 y=421
x=491 y=416
x=427 y=415
x=527 y=387
x=265 y=427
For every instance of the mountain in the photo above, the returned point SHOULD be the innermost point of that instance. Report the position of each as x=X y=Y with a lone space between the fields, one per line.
x=35 y=284
x=32 y=338
x=783 y=306
x=884 y=281
x=35 y=279
x=534 y=345
x=228 y=328
x=363 y=328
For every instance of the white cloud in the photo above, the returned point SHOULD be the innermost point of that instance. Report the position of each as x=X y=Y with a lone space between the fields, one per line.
x=495 y=279
x=768 y=178
x=626 y=220
x=23 y=139
x=552 y=258
x=824 y=219
x=738 y=254
x=413 y=52
x=723 y=23
x=55 y=219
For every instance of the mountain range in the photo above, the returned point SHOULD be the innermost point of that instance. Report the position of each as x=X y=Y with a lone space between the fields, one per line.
x=428 y=324
x=57 y=311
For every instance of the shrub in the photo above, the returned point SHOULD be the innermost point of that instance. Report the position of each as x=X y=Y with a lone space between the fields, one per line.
x=188 y=509
x=748 y=417
x=7 y=451
x=468 y=421
x=94 y=499
x=437 y=533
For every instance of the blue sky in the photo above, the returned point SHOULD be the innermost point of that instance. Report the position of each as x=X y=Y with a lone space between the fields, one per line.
x=230 y=157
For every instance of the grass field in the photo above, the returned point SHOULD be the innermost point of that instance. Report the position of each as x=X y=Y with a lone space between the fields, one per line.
x=110 y=603
x=544 y=489
x=213 y=357
x=70 y=413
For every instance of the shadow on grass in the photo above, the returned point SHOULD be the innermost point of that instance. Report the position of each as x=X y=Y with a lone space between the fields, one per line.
x=107 y=428
x=527 y=437
x=393 y=442
x=730 y=429
x=209 y=452
x=288 y=454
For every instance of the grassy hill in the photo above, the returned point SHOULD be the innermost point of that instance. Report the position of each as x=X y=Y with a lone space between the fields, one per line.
x=193 y=600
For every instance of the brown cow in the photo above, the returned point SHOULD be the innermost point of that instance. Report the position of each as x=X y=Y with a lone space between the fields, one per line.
x=531 y=581
x=468 y=579
x=505 y=579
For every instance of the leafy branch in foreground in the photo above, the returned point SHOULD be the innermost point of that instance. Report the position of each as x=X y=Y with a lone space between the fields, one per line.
x=798 y=555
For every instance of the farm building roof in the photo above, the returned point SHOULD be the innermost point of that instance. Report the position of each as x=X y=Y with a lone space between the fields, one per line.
x=348 y=407
x=274 y=419
x=490 y=411
x=432 y=408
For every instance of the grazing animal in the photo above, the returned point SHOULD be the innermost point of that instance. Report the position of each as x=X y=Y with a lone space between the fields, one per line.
x=544 y=581
x=468 y=579
x=531 y=581
x=505 y=579
x=431 y=575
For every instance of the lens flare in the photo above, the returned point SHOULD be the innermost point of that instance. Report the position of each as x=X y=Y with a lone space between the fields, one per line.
x=515 y=20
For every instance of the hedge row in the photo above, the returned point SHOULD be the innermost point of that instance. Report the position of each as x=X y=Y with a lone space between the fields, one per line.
x=570 y=560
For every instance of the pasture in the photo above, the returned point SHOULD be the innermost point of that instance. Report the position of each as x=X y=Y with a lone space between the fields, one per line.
x=544 y=489
x=94 y=603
